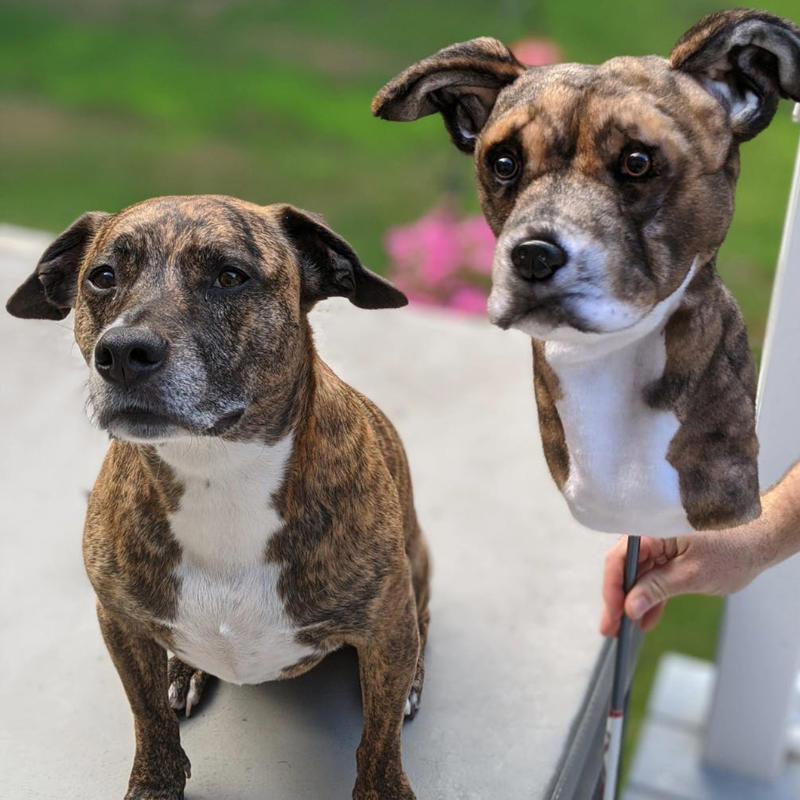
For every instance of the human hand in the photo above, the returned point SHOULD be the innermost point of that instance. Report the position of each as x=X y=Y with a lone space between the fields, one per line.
x=708 y=562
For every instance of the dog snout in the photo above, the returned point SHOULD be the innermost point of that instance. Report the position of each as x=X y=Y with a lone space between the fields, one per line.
x=537 y=259
x=129 y=356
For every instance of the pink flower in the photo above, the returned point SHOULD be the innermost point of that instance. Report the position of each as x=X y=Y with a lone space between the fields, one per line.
x=427 y=244
x=537 y=52
x=443 y=259
x=468 y=300
x=478 y=243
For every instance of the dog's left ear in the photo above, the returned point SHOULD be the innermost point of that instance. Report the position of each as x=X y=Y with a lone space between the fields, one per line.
x=748 y=60
x=331 y=268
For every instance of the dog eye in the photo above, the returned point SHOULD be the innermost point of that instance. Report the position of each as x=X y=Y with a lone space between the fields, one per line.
x=636 y=164
x=230 y=278
x=505 y=167
x=102 y=278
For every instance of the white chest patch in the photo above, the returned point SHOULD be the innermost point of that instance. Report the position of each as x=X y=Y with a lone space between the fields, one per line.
x=619 y=478
x=231 y=621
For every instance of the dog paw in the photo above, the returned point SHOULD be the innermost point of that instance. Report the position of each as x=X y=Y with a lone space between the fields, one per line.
x=185 y=685
x=412 y=704
x=144 y=793
x=147 y=784
x=388 y=790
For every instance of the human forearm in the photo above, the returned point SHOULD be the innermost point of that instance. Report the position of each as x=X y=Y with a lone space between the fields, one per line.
x=780 y=519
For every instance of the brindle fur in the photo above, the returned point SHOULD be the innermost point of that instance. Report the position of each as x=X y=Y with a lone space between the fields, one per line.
x=353 y=564
x=713 y=431
x=547 y=389
x=568 y=124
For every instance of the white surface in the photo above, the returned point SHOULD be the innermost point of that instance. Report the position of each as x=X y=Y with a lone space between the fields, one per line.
x=668 y=763
x=759 y=652
x=516 y=583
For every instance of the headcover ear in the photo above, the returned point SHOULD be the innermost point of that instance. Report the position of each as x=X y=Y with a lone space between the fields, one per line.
x=748 y=60
x=331 y=268
x=49 y=292
x=461 y=82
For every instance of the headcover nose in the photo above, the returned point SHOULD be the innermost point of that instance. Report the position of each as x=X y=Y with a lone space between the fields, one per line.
x=537 y=260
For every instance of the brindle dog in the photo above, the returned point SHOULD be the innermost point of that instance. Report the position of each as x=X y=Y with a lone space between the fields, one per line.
x=610 y=189
x=254 y=512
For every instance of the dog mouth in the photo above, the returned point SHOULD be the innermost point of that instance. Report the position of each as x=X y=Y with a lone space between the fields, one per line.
x=547 y=313
x=139 y=424
x=225 y=423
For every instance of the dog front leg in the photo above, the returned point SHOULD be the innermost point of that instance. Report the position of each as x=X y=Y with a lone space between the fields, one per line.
x=160 y=767
x=387 y=665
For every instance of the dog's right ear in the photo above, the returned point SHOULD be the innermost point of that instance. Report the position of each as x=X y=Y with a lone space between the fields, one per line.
x=49 y=292
x=461 y=82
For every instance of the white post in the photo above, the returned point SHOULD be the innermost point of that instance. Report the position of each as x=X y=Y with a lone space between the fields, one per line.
x=759 y=651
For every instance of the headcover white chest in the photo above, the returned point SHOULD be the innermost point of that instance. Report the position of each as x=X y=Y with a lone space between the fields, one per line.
x=619 y=478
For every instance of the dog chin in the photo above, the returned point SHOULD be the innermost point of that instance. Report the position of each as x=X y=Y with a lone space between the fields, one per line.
x=149 y=428
x=571 y=331
x=550 y=322
x=568 y=317
x=145 y=433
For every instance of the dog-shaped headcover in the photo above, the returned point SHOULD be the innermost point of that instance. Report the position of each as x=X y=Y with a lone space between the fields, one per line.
x=610 y=189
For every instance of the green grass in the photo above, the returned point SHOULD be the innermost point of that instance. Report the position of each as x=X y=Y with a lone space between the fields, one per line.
x=106 y=102
x=689 y=625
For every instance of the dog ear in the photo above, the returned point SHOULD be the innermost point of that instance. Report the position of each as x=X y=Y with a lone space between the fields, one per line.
x=331 y=268
x=748 y=60
x=461 y=82
x=49 y=292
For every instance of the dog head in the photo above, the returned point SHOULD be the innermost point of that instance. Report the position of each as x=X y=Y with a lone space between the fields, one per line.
x=190 y=311
x=605 y=185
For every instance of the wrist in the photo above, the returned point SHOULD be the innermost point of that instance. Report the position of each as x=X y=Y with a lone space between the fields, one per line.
x=776 y=533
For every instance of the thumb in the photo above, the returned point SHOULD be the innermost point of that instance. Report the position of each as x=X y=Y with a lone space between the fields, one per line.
x=657 y=586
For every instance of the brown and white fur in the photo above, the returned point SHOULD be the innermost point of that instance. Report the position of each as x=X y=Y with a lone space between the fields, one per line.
x=643 y=377
x=254 y=513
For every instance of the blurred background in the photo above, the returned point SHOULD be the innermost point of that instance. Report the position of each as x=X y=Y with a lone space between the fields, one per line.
x=107 y=102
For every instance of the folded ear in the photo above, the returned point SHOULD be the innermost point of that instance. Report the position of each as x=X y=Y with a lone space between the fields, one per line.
x=49 y=292
x=748 y=60
x=331 y=268
x=461 y=82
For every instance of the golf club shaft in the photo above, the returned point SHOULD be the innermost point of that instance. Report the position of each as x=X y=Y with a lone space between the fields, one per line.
x=619 y=688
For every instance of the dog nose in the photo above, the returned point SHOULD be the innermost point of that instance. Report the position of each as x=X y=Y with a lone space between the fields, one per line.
x=537 y=260
x=128 y=356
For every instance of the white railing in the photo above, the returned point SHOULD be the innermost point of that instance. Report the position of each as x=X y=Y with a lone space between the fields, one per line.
x=759 y=651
